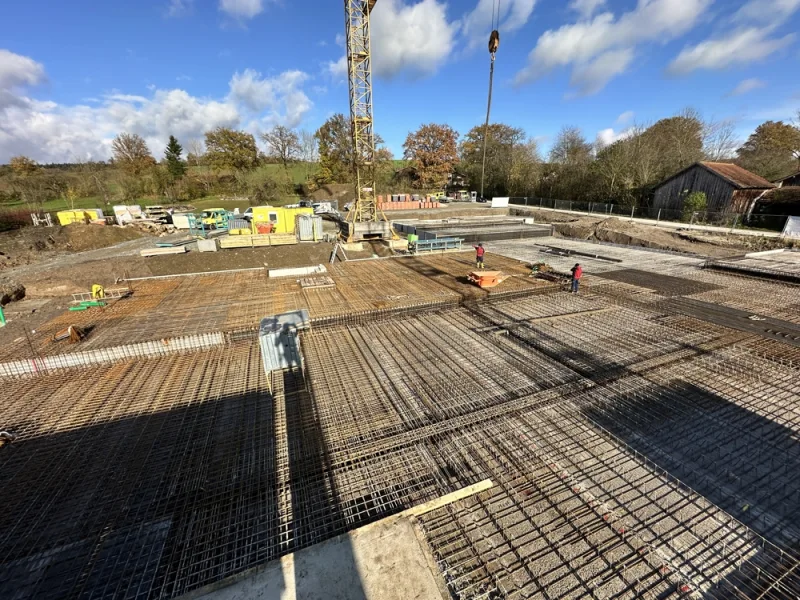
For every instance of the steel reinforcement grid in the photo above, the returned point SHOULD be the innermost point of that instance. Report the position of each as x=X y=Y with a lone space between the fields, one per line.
x=636 y=452
x=167 y=308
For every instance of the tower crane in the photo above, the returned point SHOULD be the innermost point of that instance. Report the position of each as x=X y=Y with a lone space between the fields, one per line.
x=365 y=218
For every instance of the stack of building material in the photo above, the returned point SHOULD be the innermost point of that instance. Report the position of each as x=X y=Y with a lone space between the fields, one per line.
x=160 y=251
x=406 y=202
x=407 y=205
x=252 y=241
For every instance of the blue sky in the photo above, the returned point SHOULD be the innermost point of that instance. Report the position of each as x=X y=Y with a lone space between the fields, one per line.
x=74 y=73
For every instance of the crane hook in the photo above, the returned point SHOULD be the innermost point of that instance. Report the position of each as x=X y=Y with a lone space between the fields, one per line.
x=494 y=42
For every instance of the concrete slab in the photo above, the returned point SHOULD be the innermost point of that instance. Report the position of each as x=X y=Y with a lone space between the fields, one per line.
x=382 y=561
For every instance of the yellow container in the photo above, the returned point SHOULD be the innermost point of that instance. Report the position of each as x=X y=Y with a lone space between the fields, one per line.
x=282 y=218
x=67 y=217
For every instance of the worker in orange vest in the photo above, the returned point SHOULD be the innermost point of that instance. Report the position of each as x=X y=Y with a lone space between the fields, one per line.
x=479 y=252
x=577 y=273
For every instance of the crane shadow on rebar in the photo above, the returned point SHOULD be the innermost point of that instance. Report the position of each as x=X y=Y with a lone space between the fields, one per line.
x=156 y=504
x=319 y=513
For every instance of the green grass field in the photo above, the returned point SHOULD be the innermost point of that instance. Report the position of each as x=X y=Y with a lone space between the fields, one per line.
x=97 y=202
x=298 y=174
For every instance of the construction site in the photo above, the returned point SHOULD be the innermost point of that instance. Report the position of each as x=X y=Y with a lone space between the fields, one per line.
x=637 y=440
x=446 y=424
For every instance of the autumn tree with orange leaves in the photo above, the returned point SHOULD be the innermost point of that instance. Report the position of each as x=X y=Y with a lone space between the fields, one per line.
x=434 y=150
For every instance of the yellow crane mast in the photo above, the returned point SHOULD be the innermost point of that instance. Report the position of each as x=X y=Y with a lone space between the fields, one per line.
x=365 y=219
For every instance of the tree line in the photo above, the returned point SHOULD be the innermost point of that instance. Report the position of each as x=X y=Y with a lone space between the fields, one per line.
x=227 y=161
x=224 y=161
x=624 y=171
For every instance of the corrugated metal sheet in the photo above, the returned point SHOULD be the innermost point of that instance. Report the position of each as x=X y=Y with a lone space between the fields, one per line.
x=305 y=228
x=741 y=178
x=238 y=224
x=309 y=228
x=277 y=338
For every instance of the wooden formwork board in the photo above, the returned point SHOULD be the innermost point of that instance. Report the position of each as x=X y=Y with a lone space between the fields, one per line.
x=253 y=241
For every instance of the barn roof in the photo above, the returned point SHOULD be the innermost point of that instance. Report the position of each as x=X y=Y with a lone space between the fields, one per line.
x=734 y=174
x=741 y=178
x=792 y=176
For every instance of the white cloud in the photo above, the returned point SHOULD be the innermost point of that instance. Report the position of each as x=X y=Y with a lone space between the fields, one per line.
x=17 y=70
x=591 y=77
x=338 y=68
x=604 y=47
x=130 y=98
x=766 y=11
x=179 y=8
x=183 y=78
x=241 y=9
x=281 y=95
x=51 y=132
x=741 y=47
x=415 y=37
x=477 y=25
x=606 y=137
x=625 y=117
x=586 y=8
x=750 y=42
x=747 y=85
x=412 y=38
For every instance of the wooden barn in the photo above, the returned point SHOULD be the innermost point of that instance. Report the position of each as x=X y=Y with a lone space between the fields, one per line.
x=728 y=187
x=790 y=181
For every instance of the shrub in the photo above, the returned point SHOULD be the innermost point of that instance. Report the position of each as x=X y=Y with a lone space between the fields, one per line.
x=14 y=219
x=694 y=202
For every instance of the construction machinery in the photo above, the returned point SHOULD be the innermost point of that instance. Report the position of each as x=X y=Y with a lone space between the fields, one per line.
x=365 y=219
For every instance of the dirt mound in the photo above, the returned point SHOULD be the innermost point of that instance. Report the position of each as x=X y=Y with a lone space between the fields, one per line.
x=10 y=291
x=32 y=244
x=582 y=229
x=343 y=192
x=91 y=237
x=620 y=231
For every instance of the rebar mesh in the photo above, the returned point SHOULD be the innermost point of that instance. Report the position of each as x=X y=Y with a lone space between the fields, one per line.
x=637 y=451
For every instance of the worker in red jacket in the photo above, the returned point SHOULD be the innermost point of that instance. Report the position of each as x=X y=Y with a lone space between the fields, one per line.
x=479 y=252
x=577 y=273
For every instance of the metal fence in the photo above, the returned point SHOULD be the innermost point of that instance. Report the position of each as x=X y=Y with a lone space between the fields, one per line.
x=729 y=220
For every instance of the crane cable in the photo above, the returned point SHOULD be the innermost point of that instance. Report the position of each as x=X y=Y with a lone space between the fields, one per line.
x=494 y=43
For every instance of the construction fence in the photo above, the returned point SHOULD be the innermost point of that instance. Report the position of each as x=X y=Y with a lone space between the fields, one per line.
x=717 y=219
